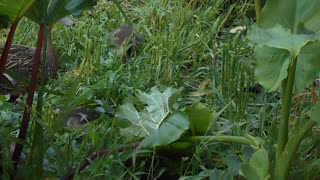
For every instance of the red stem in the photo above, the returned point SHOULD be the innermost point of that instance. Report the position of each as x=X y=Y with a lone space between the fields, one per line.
x=94 y=155
x=6 y=48
x=32 y=86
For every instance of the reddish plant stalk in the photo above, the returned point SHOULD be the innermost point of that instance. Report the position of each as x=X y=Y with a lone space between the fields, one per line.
x=93 y=156
x=6 y=47
x=32 y=86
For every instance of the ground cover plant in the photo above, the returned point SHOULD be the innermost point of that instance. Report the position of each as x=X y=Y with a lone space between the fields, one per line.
x=189 y=105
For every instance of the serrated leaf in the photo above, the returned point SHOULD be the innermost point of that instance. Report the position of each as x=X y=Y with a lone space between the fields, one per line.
x=156 y=122
x=170 y=130
x=157 y=108
x=314 y=113
x=258 y=166
x=138 y=128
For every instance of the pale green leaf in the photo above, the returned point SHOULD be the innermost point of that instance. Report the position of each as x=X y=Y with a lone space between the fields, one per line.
x=157 y=107
x=170 y=130
x=314 y=113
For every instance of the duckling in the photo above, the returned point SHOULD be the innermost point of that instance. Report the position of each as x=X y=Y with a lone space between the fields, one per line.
x=76 y=117
x=127 y=41
x=20 y=61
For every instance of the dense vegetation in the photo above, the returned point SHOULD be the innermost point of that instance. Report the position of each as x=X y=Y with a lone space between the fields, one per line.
x=192 y=56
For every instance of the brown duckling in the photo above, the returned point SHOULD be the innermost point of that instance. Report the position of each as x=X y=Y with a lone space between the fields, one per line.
x=127 y=41
x=20 y=61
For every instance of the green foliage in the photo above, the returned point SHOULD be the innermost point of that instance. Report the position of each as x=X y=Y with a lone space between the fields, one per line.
x=315 y=112
x=187 y=44
x=159 y=123
x=13 y=10
x=284 y=36
x=48 y=12
x=201 y=117
x=286 y=55
x=150 y=118
x=258 y=166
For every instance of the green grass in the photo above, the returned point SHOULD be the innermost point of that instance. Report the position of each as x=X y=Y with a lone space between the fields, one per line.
x=184 y=47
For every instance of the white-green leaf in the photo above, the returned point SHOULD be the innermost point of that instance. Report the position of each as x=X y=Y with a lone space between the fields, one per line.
x=170 y=130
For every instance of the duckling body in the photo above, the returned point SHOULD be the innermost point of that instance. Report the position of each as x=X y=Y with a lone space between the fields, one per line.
x=127 y=41
x=76 y=117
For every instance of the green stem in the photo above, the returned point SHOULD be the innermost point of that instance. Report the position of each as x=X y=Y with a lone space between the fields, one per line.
x=230 y=139
x=257 y=8
x=283 y=162
x=285 y=108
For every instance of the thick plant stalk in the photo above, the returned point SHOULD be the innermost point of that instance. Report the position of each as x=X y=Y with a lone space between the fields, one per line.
x=283 y=163
x=6 y=48
x=33 y=81
x=257 y=6
x=285 y=108
x=230 y=139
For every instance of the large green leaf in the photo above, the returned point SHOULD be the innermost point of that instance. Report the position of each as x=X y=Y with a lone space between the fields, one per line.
x=292 y=26
x=12 y=10
x=155 y=121
x=279 y=37
x=157 y=106
x=170 y=130
x=200 y=117
x=271 y=66
x=258 y=166
x=314 y=113
x=296 y=15
x=50 y=11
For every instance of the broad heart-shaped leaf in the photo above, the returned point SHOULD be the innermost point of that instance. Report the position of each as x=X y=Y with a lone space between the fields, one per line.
x=291 y=25
x=314 y=113
x=258 y=166
x=12 y=10
x=157 y=108
x=50 y=11
x=170 y=130
x=272 y=64
x=279 y=37
x=200 y=117
x=297 y=15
